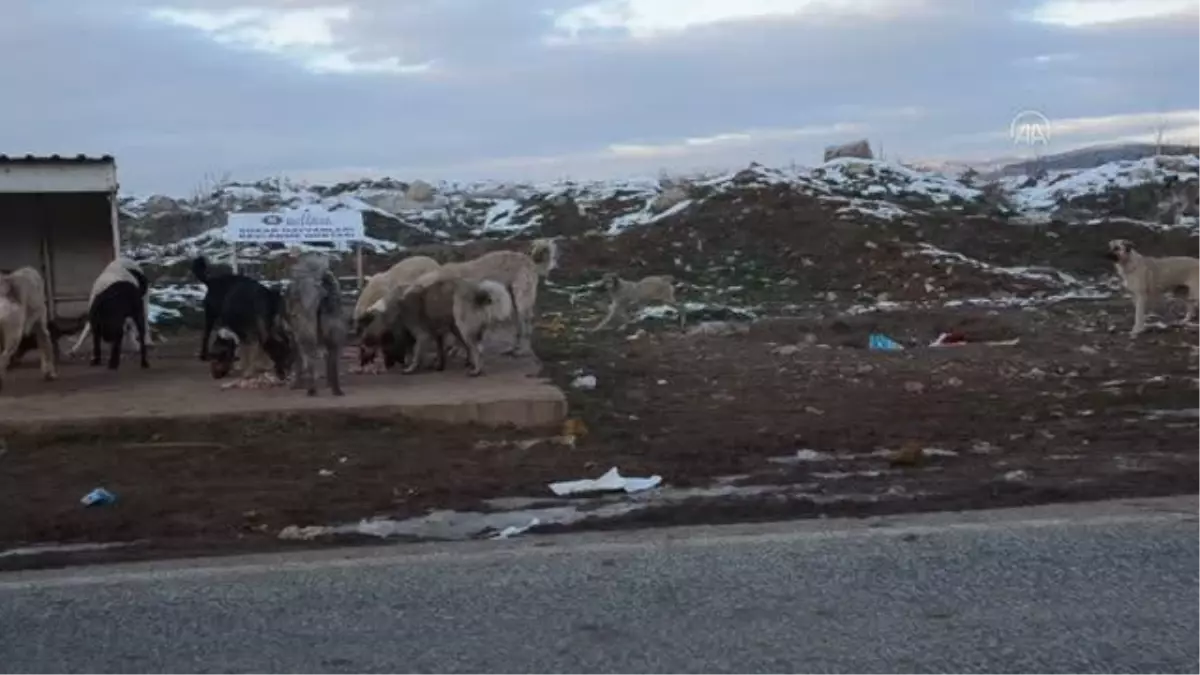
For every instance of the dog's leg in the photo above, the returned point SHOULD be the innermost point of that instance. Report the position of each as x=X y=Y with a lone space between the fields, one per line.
x=114 y=356
x=471 y=344
x=210 y=318
x=422 y=343
x=145 y=322
x=1192 y=303
x=526 y=320
x=46 y=349
x=10 y=346
x=143 y=336
x=5 y=358
x=439 y=342
x=95 y=348
x=612 y=312
x=1139 y=314
x=249 y=357
x=331 y=368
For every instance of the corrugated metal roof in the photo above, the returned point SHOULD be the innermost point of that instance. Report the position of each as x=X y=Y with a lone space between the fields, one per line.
x=55 y=159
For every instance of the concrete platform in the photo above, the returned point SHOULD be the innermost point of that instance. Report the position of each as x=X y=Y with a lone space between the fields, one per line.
x=178 y=385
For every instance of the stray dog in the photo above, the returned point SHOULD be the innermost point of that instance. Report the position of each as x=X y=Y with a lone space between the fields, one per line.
x=248 y=320
x=23 y=311
x=119 y=302
x=520 y=273
x=1147 y=277
x=121 y=269
x=315 y=321
x=216 y=289
x=373 y=333
x=442 y=303
x=629 y=295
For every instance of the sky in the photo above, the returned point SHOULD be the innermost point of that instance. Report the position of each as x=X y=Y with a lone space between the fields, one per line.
x=185 y=92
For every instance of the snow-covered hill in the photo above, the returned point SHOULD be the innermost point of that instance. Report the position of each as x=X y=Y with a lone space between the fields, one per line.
x=1156 y=193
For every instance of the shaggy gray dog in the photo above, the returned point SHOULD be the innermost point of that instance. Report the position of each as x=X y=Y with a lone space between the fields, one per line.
x=315 y=321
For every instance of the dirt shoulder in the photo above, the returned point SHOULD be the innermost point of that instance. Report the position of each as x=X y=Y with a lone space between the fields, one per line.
x=793 y=417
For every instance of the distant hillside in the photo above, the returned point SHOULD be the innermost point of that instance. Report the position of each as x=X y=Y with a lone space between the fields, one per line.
x=1089 y=158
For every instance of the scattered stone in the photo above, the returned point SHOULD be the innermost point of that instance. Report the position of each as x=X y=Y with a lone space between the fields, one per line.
x=786 y=350
x=813 y=411
x=909 y=454
x=954 y=382
x=914 y=387
x=1017 y=476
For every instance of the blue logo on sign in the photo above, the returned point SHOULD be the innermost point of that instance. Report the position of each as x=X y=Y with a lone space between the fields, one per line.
x=272 y=219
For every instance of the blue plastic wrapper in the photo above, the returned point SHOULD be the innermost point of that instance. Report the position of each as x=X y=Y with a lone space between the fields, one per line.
x=883 y=342
x=98 y=497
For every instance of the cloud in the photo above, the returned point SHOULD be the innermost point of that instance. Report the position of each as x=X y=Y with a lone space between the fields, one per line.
x=467 y=89
x=1082 y=13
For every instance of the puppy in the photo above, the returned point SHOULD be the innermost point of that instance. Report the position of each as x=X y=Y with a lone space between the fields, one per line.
x=444 y=303
x=1147 y=278
x=628 y=295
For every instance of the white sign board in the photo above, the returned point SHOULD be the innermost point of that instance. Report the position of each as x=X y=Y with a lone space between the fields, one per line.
x=296 y=226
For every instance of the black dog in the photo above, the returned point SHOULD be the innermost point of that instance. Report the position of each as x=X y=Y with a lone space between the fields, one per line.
x=120 y=302
x=217 y=288
x=247 y=317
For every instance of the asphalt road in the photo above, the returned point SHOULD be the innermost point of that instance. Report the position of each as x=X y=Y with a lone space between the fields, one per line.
x=1099 y=588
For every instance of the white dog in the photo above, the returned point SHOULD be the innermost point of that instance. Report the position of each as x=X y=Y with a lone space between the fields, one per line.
x=1147 y=278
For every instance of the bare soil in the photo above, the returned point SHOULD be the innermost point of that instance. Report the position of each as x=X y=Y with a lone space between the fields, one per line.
x=1065 y=414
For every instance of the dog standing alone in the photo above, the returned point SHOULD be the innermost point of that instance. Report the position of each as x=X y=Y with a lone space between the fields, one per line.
x=1148 y=277
x=315 y=321
x=119 y=302
x=629 y=295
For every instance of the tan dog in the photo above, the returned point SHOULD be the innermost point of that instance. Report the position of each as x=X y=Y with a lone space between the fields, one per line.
x=23 y=311
x=369 y=325
x=629 y=295
x=519 y=273
x=441 y=303
x=1147 y=278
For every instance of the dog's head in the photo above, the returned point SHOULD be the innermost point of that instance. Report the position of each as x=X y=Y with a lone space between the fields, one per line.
x=222 y=353
x=610 y=282
x=544 y=253
x=1120 y=250
x=371 y=331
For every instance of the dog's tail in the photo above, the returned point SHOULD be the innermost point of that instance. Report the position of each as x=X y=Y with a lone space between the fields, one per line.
x=200 y=269
x=488 y=300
